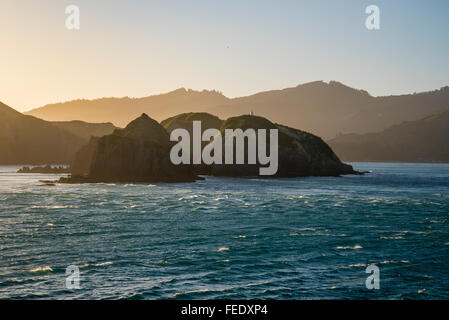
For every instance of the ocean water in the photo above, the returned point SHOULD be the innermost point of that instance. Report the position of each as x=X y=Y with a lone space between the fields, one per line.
x=305 y=238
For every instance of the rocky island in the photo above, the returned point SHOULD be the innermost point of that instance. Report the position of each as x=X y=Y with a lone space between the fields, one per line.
x=185 y=121
x=138 y=153
x=300 y=153
x=141 y=153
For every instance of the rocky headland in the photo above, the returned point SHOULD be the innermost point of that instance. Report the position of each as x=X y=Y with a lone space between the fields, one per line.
x=138 y=153
x=300 y=154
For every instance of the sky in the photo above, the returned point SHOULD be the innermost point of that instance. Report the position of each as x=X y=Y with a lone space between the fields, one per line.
x=239 y=47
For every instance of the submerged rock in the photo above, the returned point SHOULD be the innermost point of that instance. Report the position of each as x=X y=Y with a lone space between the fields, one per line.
x=46 y=183
x=138 y=153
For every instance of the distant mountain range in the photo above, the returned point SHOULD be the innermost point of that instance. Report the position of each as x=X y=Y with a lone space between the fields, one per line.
x=28 y=140
x=357 y=126
x=121 y=111
x=425 y=140
x=324 y=109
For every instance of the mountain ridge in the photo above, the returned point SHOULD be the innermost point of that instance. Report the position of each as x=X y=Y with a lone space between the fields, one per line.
x=324 y=109
x=25 y=139
x=424 y=140
x=28 y=140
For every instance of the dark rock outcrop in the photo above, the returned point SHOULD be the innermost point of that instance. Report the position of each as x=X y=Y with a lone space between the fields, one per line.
x=300 y=153
x=185 y=121
x=138 y=153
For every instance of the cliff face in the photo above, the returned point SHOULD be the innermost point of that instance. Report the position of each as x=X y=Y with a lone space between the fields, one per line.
x=300 y=153
x=305 y=154
x=138 y=153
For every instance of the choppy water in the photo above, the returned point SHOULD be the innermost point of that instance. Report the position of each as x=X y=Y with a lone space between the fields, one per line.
x=229 y=238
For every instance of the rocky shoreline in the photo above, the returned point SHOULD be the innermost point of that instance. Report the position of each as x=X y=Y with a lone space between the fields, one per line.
x=46 y=169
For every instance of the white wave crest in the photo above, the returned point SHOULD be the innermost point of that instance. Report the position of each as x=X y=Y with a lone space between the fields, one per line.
x=356 y=247
x=41 y=269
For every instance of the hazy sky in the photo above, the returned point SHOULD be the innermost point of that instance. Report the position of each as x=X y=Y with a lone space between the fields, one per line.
x=137 y=48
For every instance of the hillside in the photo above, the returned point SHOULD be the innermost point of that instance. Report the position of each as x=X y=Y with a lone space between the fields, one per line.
x=424 y=140
x=140 y=153
x=327 y=109
x=185 y=121
x=86 y=130
x=28 y=140
x=324 y=109
x=300 y=154
x=137 y=153
x=120 y=111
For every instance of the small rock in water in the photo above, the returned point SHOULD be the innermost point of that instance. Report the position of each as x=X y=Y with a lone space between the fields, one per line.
x=46 y=183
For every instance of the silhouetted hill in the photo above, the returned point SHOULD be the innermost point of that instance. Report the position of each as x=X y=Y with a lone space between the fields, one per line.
x=300 y=153
x=425 y=140
x=86 y=130
x=185 y=121
x=316 y=107
x=120 y=111
x=140 y=153
x=28 y=140
x=137 y=153
x=324 y=109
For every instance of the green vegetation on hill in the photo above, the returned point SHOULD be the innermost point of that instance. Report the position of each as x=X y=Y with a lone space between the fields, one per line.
x=185 y=121
x=247 y=122
x=300 y=153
